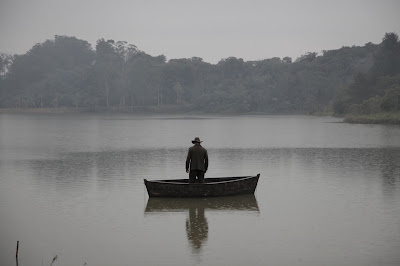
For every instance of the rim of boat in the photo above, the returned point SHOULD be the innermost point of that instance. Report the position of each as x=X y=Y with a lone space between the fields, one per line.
x=239 y=178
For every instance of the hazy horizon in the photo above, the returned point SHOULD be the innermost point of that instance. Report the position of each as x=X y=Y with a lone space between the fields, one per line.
x=252 y=30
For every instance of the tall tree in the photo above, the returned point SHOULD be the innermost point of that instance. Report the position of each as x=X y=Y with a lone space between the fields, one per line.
x=47 y=73
x=107 y=65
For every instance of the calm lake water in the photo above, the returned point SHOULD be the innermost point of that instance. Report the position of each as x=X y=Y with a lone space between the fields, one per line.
x=72 y=186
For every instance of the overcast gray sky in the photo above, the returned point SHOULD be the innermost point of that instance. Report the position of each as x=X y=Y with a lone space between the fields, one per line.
x=210 y=29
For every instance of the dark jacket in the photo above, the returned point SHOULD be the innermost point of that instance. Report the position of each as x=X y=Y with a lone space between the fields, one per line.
x=197 y=158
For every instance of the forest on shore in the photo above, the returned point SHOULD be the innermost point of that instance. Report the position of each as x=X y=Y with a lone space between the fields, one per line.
x=66 y=72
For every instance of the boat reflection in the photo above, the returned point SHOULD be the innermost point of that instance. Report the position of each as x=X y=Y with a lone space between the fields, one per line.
x=196 y=221
x=231 y=203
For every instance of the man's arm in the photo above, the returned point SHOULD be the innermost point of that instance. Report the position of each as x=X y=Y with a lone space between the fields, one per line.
x=188 y=161
x=206 y=161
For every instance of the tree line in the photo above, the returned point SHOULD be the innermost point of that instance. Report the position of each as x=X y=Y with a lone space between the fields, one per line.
x=68 y=72
x=378 y=89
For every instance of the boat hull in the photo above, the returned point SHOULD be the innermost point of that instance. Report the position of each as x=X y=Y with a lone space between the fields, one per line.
x=214 y=187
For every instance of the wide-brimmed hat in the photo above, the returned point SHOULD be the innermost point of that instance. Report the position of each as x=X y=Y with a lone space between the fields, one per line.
x=196 y=140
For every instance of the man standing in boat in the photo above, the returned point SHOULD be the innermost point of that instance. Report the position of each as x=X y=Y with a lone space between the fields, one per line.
x=196 y=162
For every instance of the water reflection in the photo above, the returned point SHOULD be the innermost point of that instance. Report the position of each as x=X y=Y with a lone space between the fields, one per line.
x=105 y=163
x=331 y=191
x=137 y=162
x=196 y=220
x=231 y=203
x=196 y=227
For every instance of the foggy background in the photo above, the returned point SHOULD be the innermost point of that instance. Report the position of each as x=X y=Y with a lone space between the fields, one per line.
x=212 y=30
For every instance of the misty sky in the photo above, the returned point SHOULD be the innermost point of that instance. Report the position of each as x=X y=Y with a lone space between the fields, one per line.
x=210 y=29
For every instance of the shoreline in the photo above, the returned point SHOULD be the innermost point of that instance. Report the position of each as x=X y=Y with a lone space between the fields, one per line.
x=42 y=110
x=390 y=118
x=173 y=110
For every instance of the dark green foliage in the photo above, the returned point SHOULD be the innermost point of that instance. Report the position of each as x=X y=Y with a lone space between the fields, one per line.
x=51 y=74
x=68 y=72
x=391 y=100
x=377 y=89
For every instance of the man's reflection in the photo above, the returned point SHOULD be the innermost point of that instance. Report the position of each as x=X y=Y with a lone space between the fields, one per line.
x=196 y=227
x=196 y=222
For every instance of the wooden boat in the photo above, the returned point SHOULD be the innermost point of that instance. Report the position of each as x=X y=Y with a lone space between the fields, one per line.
x=213 y=187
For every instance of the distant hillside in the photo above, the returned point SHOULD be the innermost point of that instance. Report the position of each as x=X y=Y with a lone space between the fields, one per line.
x=67 y=72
